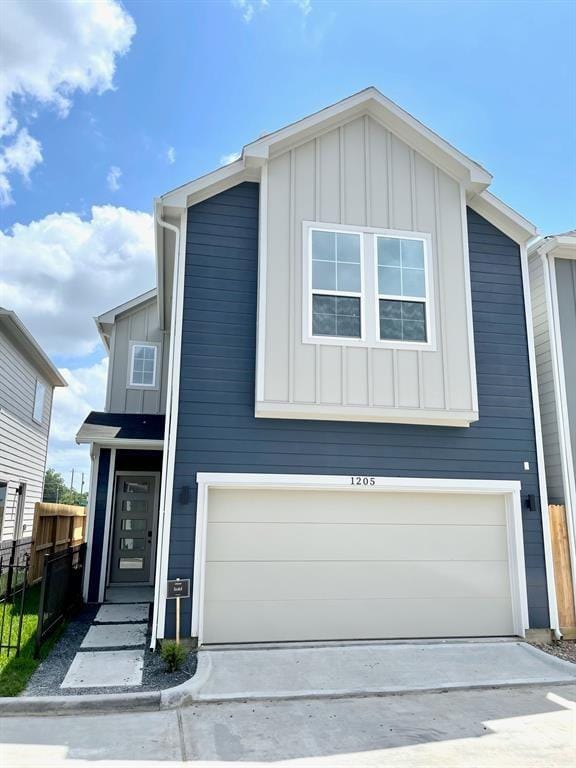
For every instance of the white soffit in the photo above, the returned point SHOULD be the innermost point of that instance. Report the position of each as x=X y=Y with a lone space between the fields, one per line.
x=105 y=321
x=559 y=246
x=503 y=217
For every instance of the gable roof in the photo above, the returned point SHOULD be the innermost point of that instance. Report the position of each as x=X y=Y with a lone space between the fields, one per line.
x=23 y=339
x=105 y=321
x=561 y=246
x=369 y=101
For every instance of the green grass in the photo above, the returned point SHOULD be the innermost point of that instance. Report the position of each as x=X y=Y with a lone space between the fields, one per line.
x=15 y=671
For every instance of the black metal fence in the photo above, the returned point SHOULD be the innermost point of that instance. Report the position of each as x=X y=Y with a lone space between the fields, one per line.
x=61 y=590
x=14 y=565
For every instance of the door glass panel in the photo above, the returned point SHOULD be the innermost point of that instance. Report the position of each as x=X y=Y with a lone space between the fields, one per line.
x=131 y=486
x=137 y=506
x=131 y=563
x=138 y=544
x=133 y=525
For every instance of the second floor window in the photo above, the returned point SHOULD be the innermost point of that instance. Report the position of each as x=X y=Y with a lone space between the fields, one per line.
x=143 y=365
x=366 y=286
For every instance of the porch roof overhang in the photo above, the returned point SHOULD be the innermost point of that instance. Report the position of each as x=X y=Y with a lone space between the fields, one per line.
x=126 y=430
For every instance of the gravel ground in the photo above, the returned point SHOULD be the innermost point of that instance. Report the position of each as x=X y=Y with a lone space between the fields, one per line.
x=48 y=677
x=563 y=649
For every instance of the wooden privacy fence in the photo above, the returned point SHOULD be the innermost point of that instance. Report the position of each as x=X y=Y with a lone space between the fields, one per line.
x=56 y=527
x=562 y=570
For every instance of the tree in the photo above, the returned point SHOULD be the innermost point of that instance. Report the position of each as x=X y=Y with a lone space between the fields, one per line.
x=56 y=490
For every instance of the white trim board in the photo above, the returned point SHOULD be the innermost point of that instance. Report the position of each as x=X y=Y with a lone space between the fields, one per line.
x=93 y=487
x=508 y=488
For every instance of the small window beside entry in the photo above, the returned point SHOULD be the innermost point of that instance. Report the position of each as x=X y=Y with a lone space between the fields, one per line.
x=39 y=397
x=143 y=364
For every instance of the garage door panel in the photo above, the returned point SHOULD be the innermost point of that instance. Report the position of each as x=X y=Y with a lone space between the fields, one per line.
x=355 y=580
x=276 y=621
x=229 y=505
x=318 y=565
x=353 y=541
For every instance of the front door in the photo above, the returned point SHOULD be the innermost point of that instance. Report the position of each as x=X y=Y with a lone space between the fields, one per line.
x=132 y=548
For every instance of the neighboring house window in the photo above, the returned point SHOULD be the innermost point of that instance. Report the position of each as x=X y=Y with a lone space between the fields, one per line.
x=39 y=397
x=368 y=287
x=143 y=365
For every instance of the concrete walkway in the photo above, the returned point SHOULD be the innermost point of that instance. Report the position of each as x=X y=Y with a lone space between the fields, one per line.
x=498 y=728
x=112 y=652
x=381 y=668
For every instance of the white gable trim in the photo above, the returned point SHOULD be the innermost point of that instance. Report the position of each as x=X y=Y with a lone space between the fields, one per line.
x=503 y=217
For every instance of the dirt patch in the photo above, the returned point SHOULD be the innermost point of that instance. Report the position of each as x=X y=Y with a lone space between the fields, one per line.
x=562 y=649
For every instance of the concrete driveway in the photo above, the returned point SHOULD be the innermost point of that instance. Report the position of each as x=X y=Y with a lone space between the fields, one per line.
x=501 y=728
x=359 y=669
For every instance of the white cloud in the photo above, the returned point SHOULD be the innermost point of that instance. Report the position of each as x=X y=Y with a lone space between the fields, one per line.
x=20 y=156
x=304 y=5
x=49 y=50
x=85 y=392
x=60 y=271
x=250 y=7
x=171 y=155
x=226 y=159
x=113 y=178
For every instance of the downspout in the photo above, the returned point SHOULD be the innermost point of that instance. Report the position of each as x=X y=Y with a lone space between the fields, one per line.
x=167 y=428
x=547 y=539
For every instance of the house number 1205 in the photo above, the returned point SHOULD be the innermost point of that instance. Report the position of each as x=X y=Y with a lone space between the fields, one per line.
x=359 y=480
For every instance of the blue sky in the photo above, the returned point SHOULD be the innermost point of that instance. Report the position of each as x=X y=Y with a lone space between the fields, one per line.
x=197 y=80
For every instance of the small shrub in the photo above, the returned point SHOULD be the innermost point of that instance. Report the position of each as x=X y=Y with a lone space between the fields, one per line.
x=173 y=655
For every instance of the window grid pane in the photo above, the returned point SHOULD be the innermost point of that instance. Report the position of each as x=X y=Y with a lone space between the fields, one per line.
x=336 y=316
x=402 y=320
x=336 y=261
x=401 y=267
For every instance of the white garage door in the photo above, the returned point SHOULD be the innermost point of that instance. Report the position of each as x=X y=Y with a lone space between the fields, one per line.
x=318 y=565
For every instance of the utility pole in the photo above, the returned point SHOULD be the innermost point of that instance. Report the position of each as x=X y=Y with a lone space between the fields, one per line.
x=72 y=481
x=82 y=484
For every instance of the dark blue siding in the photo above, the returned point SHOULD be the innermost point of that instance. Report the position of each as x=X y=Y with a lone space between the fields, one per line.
x=217 y=431
x=99 y=520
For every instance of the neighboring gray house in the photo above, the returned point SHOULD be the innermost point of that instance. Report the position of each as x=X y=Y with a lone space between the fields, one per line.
x=553 y=283
x=27 y=381
x=351 y=447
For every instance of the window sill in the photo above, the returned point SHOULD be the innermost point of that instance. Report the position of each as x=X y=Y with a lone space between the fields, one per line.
x=372 y=413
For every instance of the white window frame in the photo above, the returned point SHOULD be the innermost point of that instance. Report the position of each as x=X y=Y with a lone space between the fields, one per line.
x=40 y=387
x=133 y=346
x=370 y=295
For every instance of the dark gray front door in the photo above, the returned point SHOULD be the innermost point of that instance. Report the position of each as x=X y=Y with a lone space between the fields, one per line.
x=132 y=548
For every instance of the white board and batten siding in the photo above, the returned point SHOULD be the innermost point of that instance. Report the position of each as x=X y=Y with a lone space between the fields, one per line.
x=360 y=174
x=297 y=565
x=23 y=441
x=140 y=324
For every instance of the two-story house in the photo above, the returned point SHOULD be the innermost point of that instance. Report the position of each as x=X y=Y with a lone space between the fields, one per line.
x=552 y=263
x=27 y=382
x=351 y=448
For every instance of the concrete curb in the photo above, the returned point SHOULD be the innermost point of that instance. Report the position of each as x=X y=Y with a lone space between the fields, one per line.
x=169 y=698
